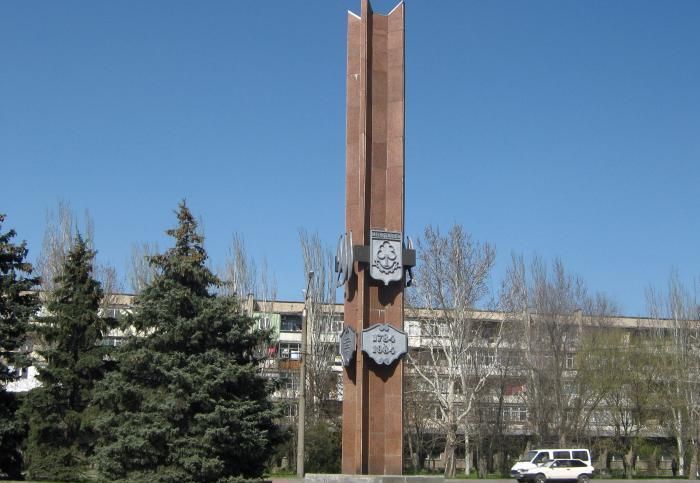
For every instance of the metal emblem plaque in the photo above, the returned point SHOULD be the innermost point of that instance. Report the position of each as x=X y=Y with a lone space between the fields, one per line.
x=385 y=262
x=384 y=343
x=348 y=345
x=344 y=259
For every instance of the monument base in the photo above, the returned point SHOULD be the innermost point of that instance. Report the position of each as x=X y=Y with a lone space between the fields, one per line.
x=320 y=478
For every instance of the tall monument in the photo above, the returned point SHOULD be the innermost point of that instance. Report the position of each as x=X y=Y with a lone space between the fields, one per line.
x=372 y=258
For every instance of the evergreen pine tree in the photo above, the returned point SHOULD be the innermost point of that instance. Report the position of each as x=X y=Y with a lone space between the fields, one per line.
x=60 y=439
x=17 y=305
x=186 y=403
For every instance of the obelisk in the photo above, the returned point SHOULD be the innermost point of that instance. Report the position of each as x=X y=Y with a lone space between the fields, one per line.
x=372 y=391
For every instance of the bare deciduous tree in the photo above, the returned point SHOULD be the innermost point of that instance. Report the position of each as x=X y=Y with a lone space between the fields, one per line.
x=556 y=314
x=62 y=228
x=491 y=425
x=677 y=346
x=140 y=271
x=111 y=284
x=629 y=374
x=421 y=433
x=322 y=321
x=240 y=272
x=241 y=277
x=267 y=287
x=459 y=345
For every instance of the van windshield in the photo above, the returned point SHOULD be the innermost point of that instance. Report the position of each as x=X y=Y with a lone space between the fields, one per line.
x=528 y=456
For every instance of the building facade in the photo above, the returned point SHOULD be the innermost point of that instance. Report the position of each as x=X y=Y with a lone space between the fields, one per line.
x=511 y=382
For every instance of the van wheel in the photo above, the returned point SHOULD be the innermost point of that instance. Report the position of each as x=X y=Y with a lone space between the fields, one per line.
x=584 y=479
x=540 y=478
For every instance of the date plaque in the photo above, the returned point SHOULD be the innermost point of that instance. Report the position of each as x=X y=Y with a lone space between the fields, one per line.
x=384 y=343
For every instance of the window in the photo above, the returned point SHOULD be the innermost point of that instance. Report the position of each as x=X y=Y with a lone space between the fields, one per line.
x=562 y=455
x=264 y=322
x=111 y=341
x=290 y=350
x=577 y=463
x=491 y=413
x=19 y=372
x=332 y=325
x=580 y=455
x=569 y=361
x=113 y=313
x=292 y=410
x=413 y=327
x=519 y=413
x=541 y=457
x=489 y=333
x=291 y=323
x=515 y=413
x=488 y=359
x=289 y=381
x=529 y=455
x=598 y=417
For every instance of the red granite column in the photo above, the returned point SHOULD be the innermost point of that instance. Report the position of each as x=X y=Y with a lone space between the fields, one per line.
x=373 y=394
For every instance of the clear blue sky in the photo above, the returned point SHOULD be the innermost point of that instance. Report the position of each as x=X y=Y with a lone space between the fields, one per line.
x=566 y=128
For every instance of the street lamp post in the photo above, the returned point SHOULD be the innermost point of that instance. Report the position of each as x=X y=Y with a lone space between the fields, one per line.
x=302 y=382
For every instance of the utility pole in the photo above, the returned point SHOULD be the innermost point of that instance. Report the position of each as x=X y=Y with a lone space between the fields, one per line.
x=302 y=381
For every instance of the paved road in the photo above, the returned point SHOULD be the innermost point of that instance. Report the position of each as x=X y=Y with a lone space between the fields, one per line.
x=601 y=480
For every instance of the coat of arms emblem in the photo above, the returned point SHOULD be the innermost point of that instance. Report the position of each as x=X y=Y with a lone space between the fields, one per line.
x=348 y=345
x=385 y=263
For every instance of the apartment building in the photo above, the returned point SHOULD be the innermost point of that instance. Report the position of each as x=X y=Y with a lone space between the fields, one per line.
x=506 y=405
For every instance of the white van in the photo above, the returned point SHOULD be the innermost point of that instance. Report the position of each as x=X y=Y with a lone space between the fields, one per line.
x=536 y=457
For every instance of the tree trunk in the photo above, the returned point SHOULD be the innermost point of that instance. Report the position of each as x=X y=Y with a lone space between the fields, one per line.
x=562 y=440
x=467 y=454
x=628 y=460
x=681 y=453
x=651 y=462
x=414 y=457
x=693 y=470
x=450 y=443
x=603 y=461
x=483 y=466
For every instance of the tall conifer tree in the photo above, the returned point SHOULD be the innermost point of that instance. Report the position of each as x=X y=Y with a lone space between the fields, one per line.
x=60 y=438
x=186 y=403
x=17 y=305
